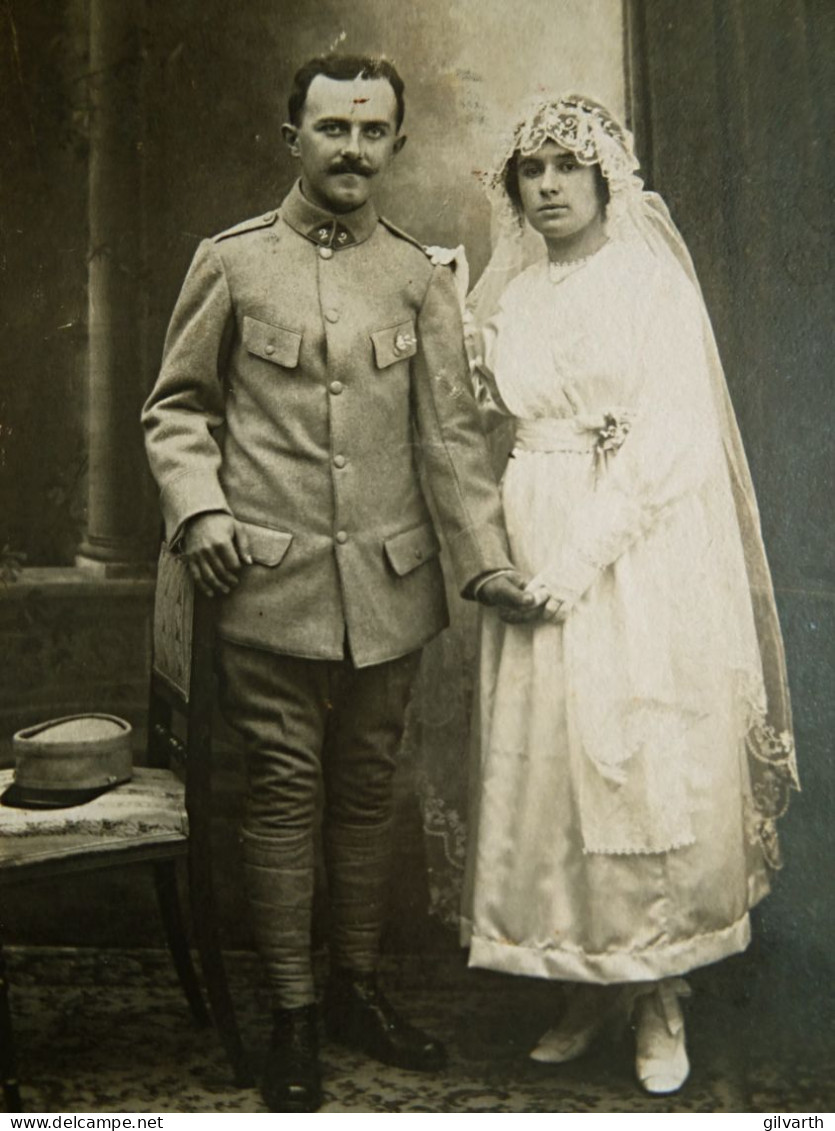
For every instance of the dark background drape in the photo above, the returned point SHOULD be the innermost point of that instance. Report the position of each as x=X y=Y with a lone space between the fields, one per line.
x=733 y=105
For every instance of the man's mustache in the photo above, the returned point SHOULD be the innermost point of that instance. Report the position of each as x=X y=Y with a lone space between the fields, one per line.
x=350 y=165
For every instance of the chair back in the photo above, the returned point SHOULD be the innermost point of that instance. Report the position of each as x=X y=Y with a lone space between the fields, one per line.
x=173 y=624
x=182 y=678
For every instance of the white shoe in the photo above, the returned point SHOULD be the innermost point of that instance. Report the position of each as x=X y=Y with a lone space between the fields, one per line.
x=661 y=1057
x=588 y=1011
x=558 y=1045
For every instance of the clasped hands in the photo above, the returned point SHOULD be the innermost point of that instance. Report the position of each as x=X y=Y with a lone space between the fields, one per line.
x=521 y=602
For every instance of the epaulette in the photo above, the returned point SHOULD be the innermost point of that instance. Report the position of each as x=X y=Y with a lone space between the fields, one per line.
x=395 y=231
x=253 y=225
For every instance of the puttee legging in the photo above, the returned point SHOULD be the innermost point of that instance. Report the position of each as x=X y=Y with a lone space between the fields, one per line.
x=306 y=724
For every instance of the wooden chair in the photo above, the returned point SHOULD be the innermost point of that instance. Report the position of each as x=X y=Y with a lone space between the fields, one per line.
x=161 y=817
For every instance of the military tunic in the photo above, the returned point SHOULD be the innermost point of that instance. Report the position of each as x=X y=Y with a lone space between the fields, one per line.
x=313 y=364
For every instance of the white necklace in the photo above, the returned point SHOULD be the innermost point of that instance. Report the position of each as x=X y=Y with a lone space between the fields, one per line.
x=559 y=269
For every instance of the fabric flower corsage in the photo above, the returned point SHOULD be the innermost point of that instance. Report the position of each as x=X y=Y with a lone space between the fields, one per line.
x=611 y=434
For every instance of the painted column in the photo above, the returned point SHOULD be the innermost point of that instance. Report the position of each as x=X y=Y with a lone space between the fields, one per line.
x=116 y=462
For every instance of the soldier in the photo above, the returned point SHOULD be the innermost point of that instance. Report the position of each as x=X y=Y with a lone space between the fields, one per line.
x=314 y=359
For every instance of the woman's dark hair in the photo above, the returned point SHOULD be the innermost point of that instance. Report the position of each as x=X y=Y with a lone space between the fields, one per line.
x=510 y=180
x=344 y=68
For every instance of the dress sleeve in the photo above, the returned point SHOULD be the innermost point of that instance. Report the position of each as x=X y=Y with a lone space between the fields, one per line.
x=187 y=402
x=672 y=443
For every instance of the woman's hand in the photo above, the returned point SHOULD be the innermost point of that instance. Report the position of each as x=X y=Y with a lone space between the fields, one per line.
x=554 y=611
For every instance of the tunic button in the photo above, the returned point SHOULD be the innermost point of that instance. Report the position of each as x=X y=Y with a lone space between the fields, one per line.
x=336 y=387
x=339 y=461
x=270 y=350
x=341 y=537
x=418 y=554
x=326 y=252
x=332 y=315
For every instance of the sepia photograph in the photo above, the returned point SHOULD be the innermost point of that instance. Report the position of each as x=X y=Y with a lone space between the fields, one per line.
x=417 y=599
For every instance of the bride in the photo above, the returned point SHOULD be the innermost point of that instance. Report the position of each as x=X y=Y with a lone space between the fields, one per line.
x=635 y=741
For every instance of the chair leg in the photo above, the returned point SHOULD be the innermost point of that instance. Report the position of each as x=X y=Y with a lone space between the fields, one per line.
x=11 y=1090
x=159 y=727
x=165 y=877
x=202 y=896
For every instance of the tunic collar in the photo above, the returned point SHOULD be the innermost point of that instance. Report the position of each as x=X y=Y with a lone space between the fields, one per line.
x=327 y=229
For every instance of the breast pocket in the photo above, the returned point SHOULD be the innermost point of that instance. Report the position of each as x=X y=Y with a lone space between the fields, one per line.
x=274 y=344
x=394 y=343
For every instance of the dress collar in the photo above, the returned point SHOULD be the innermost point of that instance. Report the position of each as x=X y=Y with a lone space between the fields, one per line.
x=327 y=229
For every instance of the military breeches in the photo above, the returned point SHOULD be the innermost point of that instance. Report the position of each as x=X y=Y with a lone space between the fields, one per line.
x=311 y=724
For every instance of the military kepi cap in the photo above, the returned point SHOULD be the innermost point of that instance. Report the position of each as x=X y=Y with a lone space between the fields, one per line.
x=69 y=761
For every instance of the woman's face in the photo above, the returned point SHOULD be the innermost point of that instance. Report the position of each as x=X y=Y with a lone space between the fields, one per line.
x=561 y=198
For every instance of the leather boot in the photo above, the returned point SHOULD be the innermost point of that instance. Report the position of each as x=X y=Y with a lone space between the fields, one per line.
x=292 y=1079
x=357 y=1014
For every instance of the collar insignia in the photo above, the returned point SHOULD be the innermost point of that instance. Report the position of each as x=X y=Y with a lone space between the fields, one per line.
x=332 y=234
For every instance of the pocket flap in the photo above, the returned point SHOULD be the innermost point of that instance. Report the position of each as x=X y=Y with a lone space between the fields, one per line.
x=395 y=343
x=268 y=546
x=412 y=548
x=272 y=343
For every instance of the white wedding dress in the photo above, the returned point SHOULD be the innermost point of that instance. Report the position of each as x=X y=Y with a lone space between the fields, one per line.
x=612 y=835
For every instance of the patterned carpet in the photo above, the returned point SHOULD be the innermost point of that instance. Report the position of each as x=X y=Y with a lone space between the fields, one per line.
x=109 y=1031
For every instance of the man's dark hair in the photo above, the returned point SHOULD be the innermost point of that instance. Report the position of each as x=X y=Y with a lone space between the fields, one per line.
x=344 y=68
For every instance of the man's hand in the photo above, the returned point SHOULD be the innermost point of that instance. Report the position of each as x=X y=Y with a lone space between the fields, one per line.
x=215 y=547
x=506 y=591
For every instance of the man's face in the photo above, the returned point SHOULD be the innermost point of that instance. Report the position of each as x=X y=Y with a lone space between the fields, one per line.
x=346 y=138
